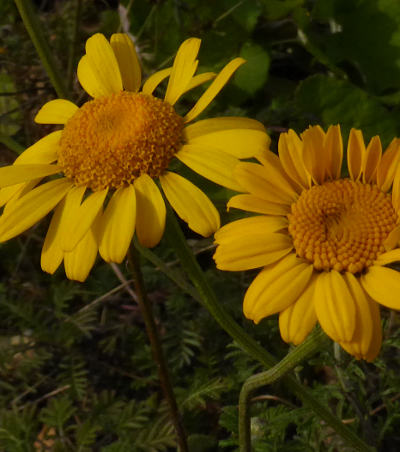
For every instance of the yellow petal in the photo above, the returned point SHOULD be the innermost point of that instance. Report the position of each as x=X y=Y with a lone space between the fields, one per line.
x=52 y=254
x=43 y=151
x=276 y=287
x=333 y=146
x=32 y=207
x=23 y=189
x=57 y=111
x=15 y=174
x=355 y=153
x=388 y=257
x=88 y=79
x=363 y=331
x=251 y=251
x=155 y=79
x=241 y=143
x=247 y=226
x=183 y=69
x=81 y=218
x=128 y=62
x=103 y=63
x=396 y=191
x=198 y=80
x=255 y=179
x=371 y=161
x=335 y=306
x=208 y=126
x=81 y=259
x=117 y=225
x=211 y=163
x=387 y=166
x=314 y=159
x=382 y=285
x=297 y=320
x=290 y=149
x=151 y=211
x=190 y=203
x=393 y=239
x=218 y=83
x=254 y=204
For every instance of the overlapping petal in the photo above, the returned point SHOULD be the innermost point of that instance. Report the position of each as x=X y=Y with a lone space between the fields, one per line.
x=57 y=111
x=128 y=61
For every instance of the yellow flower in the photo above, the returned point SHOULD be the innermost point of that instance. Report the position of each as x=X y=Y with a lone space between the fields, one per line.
x=112 y=149
x=324 y=241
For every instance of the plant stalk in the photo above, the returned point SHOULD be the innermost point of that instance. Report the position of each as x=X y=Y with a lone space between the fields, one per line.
x=35 y=30
x=156 y=348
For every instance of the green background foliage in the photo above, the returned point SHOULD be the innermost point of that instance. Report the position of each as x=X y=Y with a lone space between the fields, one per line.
x=76 y=371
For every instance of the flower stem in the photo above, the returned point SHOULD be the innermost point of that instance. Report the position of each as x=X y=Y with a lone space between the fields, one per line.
x=158 y=354
x=247 y=343
x=35 y=30
x=313 y=343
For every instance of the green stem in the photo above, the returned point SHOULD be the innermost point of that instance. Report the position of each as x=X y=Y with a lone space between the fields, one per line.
x=156 y=348
x=247 y=343
x=35 y=30
x=313 y=343
x=74 y=40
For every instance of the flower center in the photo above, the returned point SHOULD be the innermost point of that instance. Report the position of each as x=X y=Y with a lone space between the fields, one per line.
x=341 y=225
x=112 y=140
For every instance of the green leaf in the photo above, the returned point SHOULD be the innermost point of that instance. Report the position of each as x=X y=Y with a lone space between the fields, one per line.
x=332 y=101
x=252 y=75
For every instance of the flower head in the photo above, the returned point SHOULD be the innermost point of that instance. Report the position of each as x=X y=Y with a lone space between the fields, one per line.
x=324 y=241
x=113 y=149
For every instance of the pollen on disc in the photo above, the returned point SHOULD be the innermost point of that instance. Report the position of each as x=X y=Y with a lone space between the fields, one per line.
x=112 y=140
x=341 y=225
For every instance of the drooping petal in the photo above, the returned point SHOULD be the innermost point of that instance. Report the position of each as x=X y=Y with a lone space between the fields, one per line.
x=333 y=146
x=355 y=153
x=211 y=163
x=290 y=149
x=335 y=306
x=190 y=203
x=80 y=260
x=254 y=250
x=52 y=253
x=151 y=211
x=315 y=162
x=212 y=125
x=81 y=218
x=371 y=161
x=382 y=285
x=15 y=174
x=117 y=225
x=241 y=143
x=43 y=151
x=57 y=111
x=128 y=61
x=297 y=320
x=183 y=69
x=218 y=83
x=252 y=203
x=276 y=287
x=387 y=166
x=255 y=179
x=32 y=207
x=155 y=79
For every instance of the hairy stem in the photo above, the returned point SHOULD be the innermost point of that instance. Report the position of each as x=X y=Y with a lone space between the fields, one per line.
x=156 y=348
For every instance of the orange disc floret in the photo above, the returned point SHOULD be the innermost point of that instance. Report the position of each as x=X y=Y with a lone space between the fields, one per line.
x=341 y=225
x=112 y=140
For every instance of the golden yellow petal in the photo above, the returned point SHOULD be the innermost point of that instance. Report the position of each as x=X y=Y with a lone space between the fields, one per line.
x=371 y=161
x=151 y=211
x=387 y=166
x=117 y=225
x=190 y=203
x=382 y=285
x=313 y=141
x=43 y=151
x=52 y=254
x=128 y=62
x=355 y=153
x=155 y=79
x=276 y=287
x=57 y=111
x=254 y=204
x=211 y=163
x=16 y=174
x=388 y=257
x=333 y=146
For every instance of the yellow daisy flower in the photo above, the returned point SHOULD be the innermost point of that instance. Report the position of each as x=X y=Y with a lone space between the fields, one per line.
x=324 y=241
x=112 y=149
